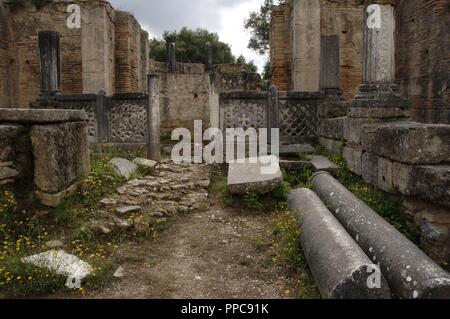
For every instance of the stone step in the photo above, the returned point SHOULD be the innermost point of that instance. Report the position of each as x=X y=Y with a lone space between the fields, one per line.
x=323 y=164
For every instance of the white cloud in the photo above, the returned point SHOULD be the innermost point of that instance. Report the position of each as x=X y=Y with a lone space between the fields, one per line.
x=226 y=17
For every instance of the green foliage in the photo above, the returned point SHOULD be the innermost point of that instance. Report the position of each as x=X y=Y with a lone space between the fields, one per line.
x=258 y=23
x=288 y=248
x=219 y=185
x=248 y=66
x=190 y=47
x=252 y=201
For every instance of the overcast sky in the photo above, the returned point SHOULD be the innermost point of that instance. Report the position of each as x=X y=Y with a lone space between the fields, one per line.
x=226 y=17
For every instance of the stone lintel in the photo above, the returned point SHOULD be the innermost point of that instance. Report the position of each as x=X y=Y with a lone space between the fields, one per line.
x=41 y=116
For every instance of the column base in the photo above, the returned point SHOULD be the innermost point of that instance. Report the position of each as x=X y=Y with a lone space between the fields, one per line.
x=379 y=95
x=53 y=200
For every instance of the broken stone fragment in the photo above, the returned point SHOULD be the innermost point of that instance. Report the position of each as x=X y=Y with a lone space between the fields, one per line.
x=321 y=163
x=62 y=263
x=119 y=273
x=6 y=173
x=145 y=162
x=128 y=209
x=123 y=167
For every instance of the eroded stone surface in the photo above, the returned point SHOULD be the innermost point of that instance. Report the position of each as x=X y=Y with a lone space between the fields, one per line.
x=260 y=175
x=123 y=167
x=61 y=155
x=41 y=116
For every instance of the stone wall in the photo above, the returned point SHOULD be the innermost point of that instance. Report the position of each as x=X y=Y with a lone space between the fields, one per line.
x=7 y=92
x=345 y=19
x=109 y=51
x=131 y=54
x=280 y=49
x=341 y=18
x=192 y=94
x=423 y=61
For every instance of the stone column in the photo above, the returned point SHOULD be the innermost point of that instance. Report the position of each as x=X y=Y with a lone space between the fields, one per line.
x=208 y=57
x=154 y=122
x=330 y=65
x=171 y=57
x=306 y=45
x=49 y=51
x=379 y=53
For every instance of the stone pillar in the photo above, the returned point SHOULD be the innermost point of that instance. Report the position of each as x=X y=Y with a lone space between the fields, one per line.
x=330 y=65
x=306 y=45
x=154 y=122
x=171 y=57
x=208 y=57
x=49 y=51
x=272 y=112
x=379 y=54
x=102 y=125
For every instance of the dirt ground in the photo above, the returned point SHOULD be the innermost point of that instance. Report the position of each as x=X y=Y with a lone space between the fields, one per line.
x=214 y=254
x=218 y=253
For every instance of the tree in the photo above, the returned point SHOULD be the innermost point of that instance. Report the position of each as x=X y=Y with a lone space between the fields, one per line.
x=190 y=47
x=249 y=66
x=258 y=23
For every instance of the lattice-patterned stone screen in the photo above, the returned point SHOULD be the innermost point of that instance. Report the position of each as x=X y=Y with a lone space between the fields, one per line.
x=120 y=119
x=297 y=120
x=127 y=122
x=294 y=113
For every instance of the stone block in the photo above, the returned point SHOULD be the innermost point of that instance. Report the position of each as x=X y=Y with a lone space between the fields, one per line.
x=61 y=155
x=332 y=109
x=353 y=158
x=378 y=112
x=123 y=167
x=409 y=142
x=260 y=175
x=332 y=128
x=54 y=200
x=430 y=182
x=330 y=144
x=369 y=168
x=322 y=164
x=385 y=175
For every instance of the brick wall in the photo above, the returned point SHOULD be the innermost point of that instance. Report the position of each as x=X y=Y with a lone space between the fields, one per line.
x=6 y=60
x=280 y=48
x=422 y=57
x=26 y=23
x=127 y=53
x=346 y=20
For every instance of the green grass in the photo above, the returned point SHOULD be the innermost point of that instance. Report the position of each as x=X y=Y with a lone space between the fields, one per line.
x=288 y=249
x=22 y=235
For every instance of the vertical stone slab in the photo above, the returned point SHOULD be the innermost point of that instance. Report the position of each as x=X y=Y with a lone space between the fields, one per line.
x=208 y=57
x=379 y=44
x=330 y=65
x=102 y=124
x=171 y=57
x=154 y=122
x=50 y=59
x=272 y=111
x=306 y=45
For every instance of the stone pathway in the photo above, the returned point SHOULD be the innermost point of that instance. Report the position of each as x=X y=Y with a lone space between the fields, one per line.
x=207 y=251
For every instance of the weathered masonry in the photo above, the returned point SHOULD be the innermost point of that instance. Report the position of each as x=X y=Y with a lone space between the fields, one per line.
x=421 y=38
x=109 y=51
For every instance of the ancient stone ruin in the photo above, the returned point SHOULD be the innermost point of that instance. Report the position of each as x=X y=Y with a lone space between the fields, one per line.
x=376 y=94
